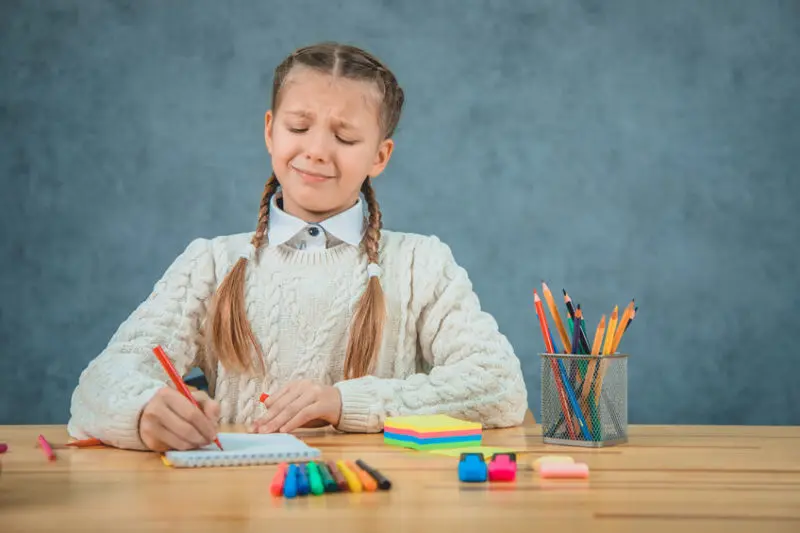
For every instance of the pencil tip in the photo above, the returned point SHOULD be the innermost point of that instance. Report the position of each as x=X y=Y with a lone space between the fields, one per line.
x=564 y=291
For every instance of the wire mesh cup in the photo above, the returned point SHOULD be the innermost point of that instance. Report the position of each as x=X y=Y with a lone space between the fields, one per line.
x=584 y=399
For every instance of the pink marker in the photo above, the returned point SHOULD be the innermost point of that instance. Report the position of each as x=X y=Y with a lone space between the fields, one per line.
x=48 y=451
x=3 y=447
x=564 y=470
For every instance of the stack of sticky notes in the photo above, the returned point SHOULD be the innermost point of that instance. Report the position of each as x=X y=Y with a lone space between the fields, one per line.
x=431 y=432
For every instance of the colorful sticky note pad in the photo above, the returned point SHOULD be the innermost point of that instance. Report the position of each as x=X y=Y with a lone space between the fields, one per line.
x=430 y=432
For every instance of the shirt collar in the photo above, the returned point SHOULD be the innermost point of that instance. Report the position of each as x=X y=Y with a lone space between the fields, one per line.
x=347 y=226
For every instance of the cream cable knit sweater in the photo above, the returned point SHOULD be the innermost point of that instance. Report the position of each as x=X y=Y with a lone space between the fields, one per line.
x=440 y=352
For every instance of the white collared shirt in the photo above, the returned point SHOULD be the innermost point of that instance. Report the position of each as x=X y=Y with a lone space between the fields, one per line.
x=347 y=226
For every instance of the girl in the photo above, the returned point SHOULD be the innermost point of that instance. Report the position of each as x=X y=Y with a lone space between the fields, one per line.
x=341 y=322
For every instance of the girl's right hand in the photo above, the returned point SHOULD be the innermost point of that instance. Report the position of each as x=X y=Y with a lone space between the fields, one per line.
x=170 y=421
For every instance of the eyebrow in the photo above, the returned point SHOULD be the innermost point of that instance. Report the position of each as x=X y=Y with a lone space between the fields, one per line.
x=342 y=124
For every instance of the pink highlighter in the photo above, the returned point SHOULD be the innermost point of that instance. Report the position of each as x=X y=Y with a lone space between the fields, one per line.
x=564 y=471
x=503 y=467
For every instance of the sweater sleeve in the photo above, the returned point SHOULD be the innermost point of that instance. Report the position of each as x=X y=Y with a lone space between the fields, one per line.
x=474 y=373
x=117 y=384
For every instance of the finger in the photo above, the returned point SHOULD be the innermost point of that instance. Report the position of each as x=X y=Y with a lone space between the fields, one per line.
x=192 y=415
x=159 y=438
x=172 y=440
x=279 y=406
x=172 y=417
x=209 y=406
x=288 y=412
x=306 y=414
x=288 y=389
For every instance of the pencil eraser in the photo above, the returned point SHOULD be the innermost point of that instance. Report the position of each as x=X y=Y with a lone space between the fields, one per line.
x=561 y=459
x=564 y=471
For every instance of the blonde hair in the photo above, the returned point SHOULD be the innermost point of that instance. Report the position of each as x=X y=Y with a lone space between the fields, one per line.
x=231 y=337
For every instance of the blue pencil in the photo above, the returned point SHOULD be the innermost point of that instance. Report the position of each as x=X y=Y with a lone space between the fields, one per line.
x=574 y=401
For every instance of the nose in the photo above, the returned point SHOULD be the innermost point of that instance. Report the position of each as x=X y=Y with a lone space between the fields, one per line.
x=318 y=146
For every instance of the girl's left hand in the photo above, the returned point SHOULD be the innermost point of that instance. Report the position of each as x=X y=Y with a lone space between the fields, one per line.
x=300 y=404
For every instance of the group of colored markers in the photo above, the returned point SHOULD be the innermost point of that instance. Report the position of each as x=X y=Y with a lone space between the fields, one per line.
x=319 y=477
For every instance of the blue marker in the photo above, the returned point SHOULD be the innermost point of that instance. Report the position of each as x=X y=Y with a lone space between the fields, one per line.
x=303 y=486
x=290 y=484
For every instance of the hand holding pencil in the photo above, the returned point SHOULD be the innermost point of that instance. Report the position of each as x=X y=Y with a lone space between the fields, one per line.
x=178 y=419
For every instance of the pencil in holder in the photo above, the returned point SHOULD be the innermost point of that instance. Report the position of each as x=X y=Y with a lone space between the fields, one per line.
x=584 y=399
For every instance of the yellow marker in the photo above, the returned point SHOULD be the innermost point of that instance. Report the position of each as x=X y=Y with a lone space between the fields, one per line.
x=349 y=476
x=165 y=460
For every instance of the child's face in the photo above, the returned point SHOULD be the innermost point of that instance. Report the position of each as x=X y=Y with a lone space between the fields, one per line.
x=324 y=140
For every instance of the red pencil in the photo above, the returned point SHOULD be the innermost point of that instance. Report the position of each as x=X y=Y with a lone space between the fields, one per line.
x=176 y=379
x=548 y=343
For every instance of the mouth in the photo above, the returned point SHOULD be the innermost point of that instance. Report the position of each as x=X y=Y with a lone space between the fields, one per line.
x=308 y=175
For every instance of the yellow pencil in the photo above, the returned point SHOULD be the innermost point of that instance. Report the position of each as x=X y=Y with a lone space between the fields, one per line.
x=612 y=328
x=551 y=304
x=623 y=322
x=586 y=390
x=607 y=350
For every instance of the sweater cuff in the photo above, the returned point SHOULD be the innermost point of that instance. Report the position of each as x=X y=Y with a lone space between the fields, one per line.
x=357 y=402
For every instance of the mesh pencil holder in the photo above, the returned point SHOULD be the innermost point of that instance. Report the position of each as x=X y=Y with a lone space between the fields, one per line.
x=584 y=399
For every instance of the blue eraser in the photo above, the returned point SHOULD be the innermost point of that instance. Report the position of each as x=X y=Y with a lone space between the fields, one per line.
x=472 y=468
x=303 y=486
x=290 y=483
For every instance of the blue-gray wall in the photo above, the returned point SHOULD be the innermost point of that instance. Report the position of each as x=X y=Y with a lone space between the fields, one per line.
x=621 y=149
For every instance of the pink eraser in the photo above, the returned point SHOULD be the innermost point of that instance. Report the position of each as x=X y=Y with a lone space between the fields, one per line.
x=564 y=470
x=502 y=468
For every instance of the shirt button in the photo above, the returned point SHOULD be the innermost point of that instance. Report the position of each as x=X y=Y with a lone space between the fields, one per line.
x=313 y=231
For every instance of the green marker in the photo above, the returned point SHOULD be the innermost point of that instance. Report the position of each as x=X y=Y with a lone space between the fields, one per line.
x=327 y=478
x=314 y=479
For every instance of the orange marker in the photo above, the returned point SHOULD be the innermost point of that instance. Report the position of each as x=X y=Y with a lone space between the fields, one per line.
x=370 y=485
x=176 y=379
x=48 y=451
x=263 y=397
x=276 y=487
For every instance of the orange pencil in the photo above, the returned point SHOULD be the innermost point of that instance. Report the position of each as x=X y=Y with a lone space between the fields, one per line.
x=176 y=379
x=623 y=323
x=551 y=304
x=548 y=343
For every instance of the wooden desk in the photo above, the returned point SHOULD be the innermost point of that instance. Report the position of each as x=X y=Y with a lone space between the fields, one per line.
x=667 y=478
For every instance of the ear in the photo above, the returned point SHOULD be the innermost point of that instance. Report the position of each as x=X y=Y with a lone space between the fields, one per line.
x=382 y=157
x=268 y=121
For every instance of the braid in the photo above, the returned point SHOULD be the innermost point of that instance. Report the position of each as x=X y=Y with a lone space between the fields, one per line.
x=270 y=189
x=366 y=332
x=372 y=236
x=231 y=335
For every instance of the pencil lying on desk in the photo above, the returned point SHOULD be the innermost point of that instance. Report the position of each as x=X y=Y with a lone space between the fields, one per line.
x=176 y=379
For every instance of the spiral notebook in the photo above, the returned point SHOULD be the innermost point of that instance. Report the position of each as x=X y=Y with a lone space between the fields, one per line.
x=244 y=449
